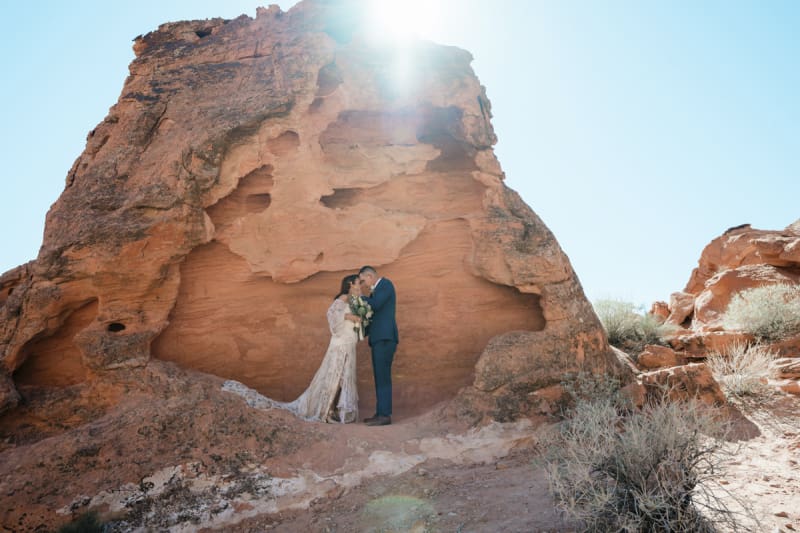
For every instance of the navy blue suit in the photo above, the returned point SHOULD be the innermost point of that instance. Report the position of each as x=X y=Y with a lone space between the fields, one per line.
x=383 y=340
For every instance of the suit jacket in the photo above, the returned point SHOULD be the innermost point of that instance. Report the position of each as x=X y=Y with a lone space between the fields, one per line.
x=383 y=302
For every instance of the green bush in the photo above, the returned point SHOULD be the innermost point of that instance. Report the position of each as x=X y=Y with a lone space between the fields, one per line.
x=641 y=471
x=627 y=327
x=743 y=370
x=770 y=312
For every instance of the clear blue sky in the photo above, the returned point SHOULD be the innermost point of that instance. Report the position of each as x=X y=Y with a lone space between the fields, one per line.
x=637 y=130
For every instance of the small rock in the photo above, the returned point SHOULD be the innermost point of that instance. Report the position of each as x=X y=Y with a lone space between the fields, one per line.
x=654 y=356
x=692 y=381
x=782 y=514
x=788 y=367
x=792 y=386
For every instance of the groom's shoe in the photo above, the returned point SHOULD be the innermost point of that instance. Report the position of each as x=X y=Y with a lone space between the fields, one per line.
x=370 y=419
x=379 y=421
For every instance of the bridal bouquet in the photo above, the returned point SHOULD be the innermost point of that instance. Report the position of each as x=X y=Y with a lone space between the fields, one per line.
x=362 y=309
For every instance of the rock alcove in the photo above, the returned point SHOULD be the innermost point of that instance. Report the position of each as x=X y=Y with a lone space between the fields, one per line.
x=246 y=168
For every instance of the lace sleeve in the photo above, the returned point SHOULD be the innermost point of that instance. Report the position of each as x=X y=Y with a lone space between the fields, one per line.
x=336 y=314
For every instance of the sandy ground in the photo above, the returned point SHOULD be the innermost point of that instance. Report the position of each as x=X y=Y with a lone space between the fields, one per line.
x=506 y=495
x=182 y=455
x=765 y=468
x=508 y=491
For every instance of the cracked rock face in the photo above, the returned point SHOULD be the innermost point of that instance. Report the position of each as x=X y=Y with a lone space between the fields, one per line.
x=248 y=166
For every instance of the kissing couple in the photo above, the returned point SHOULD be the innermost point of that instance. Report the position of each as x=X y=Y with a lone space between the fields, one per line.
x=365 y=303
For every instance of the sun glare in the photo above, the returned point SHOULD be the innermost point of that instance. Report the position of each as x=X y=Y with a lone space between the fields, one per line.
x=400 y=21
x=394 y=26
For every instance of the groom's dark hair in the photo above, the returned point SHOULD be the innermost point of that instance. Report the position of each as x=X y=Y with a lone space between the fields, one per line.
x=368 y=268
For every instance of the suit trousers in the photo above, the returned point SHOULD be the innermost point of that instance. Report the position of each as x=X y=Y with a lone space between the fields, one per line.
x=382 y=358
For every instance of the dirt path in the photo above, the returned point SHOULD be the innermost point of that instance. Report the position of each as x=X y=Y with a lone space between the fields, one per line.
x=438 y=478
x=181 y=455
x=478 y=487
x=421 y=474
x=507 y=495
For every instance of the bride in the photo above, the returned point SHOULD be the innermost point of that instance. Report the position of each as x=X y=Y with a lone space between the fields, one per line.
x=332 y=394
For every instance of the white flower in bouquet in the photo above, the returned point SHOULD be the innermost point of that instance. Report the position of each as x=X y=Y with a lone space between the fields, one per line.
x=363 y=310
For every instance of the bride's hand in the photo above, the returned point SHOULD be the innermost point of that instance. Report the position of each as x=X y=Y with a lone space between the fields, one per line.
x=352 y=318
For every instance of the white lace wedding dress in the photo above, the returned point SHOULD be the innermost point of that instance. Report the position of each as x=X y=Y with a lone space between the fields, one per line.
x=335 y=376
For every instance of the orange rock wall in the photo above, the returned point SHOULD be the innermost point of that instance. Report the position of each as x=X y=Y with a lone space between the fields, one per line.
x=272 y=336
x=248 y=165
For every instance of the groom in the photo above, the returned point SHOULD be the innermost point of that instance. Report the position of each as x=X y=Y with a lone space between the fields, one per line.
x=383 y=339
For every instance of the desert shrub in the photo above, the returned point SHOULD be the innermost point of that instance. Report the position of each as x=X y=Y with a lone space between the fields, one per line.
x=743 y=369
x=86 y=523
x=627 y=327
x=770 y=312
x=584 y=387
x=642 y=471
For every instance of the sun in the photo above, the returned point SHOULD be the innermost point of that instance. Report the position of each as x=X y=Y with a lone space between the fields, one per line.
x=395 y=28
x=400 y=21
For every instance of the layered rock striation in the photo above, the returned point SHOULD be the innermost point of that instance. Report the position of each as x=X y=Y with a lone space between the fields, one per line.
x=249 y=165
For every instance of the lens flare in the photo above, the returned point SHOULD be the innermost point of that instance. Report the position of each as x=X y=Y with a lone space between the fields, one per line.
x=399 y=22
x=396 y=28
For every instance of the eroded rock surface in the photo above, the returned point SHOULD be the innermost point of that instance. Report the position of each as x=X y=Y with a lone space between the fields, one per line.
x=740 y=259
x=249 y=165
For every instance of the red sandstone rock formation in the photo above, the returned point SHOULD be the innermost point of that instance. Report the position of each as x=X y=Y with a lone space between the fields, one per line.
x=248 y=165
x=742 y=246
x=740 y=259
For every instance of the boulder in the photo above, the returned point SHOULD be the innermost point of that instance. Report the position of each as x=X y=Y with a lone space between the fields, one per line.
x=680 y=383
x=654 y=356
x=247 y=167
x=681 y=307
x=626 y=365
x=660 y=310
x=700 y=344
x=711 y=303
